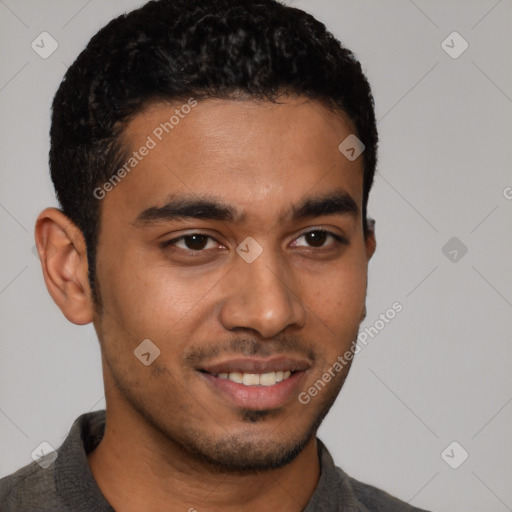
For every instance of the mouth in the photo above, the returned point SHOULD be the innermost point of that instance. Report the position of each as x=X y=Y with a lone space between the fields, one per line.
x=256 y=383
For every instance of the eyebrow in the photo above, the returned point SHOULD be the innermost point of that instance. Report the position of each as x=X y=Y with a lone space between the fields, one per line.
x=337 y=202
x=178 y=208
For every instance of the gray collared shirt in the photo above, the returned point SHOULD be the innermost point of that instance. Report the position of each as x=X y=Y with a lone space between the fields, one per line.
x=67 y=485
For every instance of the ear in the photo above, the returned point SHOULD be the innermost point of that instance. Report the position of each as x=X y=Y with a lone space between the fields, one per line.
x=370 y=240
x=371 y=244
x=62 y=252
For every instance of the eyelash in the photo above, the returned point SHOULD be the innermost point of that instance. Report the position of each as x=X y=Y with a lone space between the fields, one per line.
x=340 y=240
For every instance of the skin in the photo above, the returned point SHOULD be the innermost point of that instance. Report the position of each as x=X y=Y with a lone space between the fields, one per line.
x=171 y=441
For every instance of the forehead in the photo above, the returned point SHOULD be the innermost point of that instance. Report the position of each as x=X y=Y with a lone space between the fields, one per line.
x=254 y=155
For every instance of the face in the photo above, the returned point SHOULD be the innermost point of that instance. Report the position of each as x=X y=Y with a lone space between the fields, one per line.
x=235 y=245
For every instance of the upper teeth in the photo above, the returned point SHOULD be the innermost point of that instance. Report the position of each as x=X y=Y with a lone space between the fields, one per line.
x=256 y=379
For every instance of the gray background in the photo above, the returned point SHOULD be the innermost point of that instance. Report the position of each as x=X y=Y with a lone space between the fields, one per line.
x=438 y=372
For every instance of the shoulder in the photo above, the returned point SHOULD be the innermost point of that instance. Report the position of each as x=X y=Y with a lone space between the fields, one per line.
x=59 y=480
x=377 y=500
x=23 y=489
x=337 y=491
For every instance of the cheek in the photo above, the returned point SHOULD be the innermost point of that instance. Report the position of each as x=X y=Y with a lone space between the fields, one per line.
x=337 y=303
x=153 y=300
x=341 y=292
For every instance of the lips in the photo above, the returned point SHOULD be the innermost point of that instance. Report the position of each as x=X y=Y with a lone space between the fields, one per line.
x=255 y=365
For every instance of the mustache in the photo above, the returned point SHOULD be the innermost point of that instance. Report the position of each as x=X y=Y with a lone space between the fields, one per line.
x=284 y=345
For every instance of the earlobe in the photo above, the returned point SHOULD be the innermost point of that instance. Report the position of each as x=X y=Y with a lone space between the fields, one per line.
x=63 y=256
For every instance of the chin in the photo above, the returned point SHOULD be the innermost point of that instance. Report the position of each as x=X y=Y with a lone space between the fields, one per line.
x=240 y=454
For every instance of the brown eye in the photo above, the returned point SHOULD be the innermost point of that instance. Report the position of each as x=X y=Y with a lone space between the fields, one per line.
x=193 y=242
x=316 y=238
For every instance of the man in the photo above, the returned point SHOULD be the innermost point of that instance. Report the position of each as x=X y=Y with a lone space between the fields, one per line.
x=213 y=161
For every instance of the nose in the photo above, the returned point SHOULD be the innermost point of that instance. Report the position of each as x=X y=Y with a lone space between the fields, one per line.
x=261 y=296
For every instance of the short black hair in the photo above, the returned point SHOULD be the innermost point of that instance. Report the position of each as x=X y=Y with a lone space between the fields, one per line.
x=171 y=50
